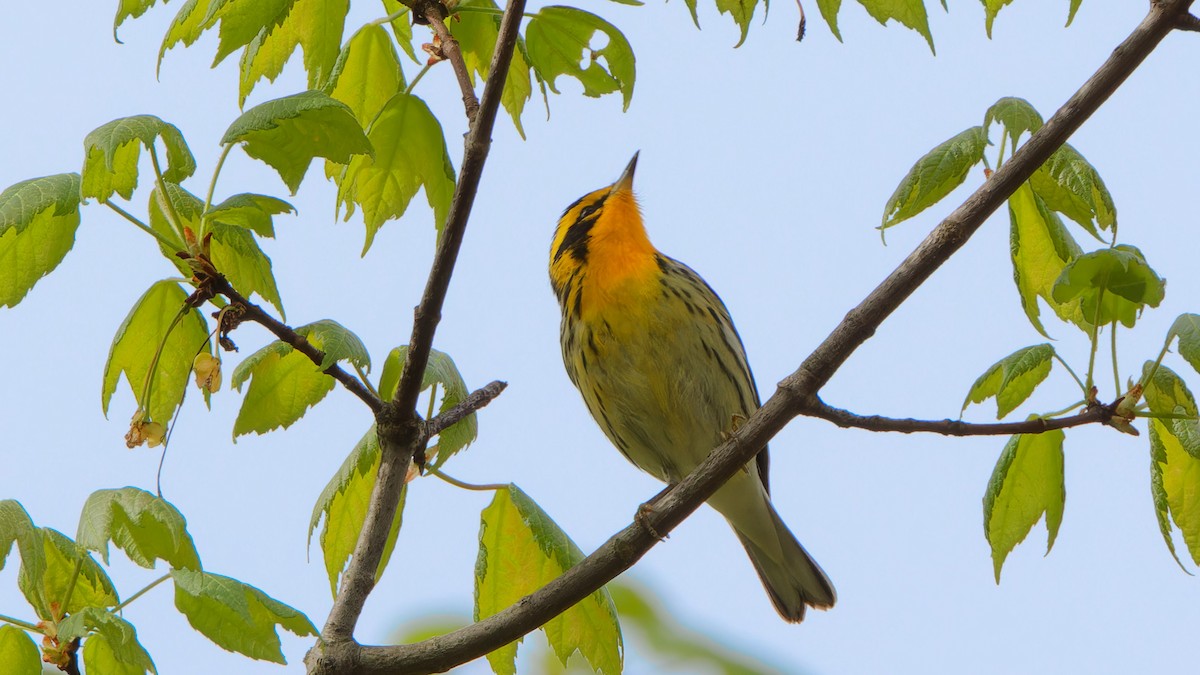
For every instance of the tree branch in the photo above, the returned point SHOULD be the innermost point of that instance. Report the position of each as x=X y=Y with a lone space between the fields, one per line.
x=400 y=431
x=1188 y=22
x=474 y=401
x=794 y=394
x=846 y=419
x=434 y=13
x=253 y=312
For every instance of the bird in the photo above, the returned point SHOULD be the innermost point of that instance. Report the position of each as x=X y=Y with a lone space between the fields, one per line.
x=663 y=371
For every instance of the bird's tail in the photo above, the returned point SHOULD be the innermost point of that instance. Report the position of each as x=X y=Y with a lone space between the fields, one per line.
x=792 y=578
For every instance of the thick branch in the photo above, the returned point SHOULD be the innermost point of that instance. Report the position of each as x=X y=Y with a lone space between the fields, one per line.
x=476 y=400
x=400 y=431
x=253 y=312
x=450 y=49
x=847 y=419
x=670 y=508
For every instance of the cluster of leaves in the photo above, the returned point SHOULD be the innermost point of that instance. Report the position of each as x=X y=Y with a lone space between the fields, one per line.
x=1093 y=291
x=77 y=605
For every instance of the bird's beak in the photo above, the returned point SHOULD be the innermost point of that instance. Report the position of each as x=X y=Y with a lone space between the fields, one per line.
x=625 y=182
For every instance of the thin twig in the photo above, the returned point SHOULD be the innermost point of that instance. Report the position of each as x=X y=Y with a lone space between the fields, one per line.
x=474 y=401
x=253 y=312
x=847 y=419
x=671 y=507
x=433 y=11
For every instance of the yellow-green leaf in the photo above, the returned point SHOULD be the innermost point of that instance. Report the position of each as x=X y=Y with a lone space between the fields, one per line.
x=1041 y=248
x=521 y=549
x=367 y=73
x=145 y=526
x=440 y=370
x=1026 y=483
x=910 y=13
x=1012 y=379
x=38 y=220
x=19 y=652
x=91 y=586
x=1113 y=284
x=934 y=176
x=558 y=39
x=112 y=151
x=313 y=25
x=284 y=384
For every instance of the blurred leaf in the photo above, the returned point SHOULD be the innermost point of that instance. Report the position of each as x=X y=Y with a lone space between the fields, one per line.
x=410 y=153
x=243 y=20
x=1174 y=471
x=344 y=503
x=401 y=26
x=477 y=33
x=829 y=11
x=92 y=588
x=38 y=219
x=1012 y=379
x=1067 y=183
x=139 y=337
x=440 y=370
x=367 y=73
x=194 y=17
x=251 y=211
x=287 y=133
x=1015 y=114
x=110 y=645
x=558 y=40
x=237 y=616
x=313 y=25
x=130 y=9
x=1041 y=248
x=16 y=526
x=991 y=9
x=146 y=527
x=522 y=549
x=910 y=13
x=112 y=151
x=18 y=652
x=1187 y=329
x=934 y=176
x=285 y=385
x=1113 y=284
x=1027 y=482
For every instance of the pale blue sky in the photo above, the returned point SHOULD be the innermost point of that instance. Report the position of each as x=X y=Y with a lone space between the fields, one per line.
x=766 y=169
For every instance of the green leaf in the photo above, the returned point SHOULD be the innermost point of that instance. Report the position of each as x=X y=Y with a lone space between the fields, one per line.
x=558 y=39
x=991 y=9
x=1074 y=8
x=401 y=27
x=243 y=20
x=194 y=17
x=287 y=133
x=1012 y=379
x=344 y=503
x=38 y=219
x=1170 y=396
x=1113 y=284
x=112 y=151
x=522 y=549
x=1027 y=482
x=934 y=176
x=285 y=382
x=236 y=254
x=1017 y=116
x=367 y=73
x=17 y=526
x=251 y=211
x=146 y=527
x=338 y=343
x=477 y=33
x=187 y=207
x=741 y=11
x=1070 y=185
x=19 y=652
x=111 y=644
x=130 y=9
x=440 y=370
x=1187 y=329
x=92 y=588
x=1174 y=471
x=236 y=616
x=829 y=12
x=910 y=13
x=1041 y=247
x=139 y=337
x=313 y=25
x=410 y=153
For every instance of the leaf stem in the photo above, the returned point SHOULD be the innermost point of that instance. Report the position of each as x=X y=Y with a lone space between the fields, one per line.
x=366 y=382
x=1064 y=411
x=484 y=487
x=415 y=80
x=1116 y=370
x=390 y=17
x=1082 y=386
x=164 y=199
x=19 y=623
x=142 y=592
x=1146 y=377
x=162 y=238
x=212 y=186
x=62 y=608
x=1095 y=341
x=148 y=385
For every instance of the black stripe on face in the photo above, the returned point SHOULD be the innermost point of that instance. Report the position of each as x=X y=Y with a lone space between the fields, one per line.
x=576 y=238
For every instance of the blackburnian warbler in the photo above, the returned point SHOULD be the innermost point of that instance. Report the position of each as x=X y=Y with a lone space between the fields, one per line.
x=663 y=371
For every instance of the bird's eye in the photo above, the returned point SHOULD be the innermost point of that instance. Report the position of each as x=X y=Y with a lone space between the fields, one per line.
x=588 y=210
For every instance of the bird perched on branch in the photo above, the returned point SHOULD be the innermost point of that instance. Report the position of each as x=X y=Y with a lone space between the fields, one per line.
x=663 y=371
